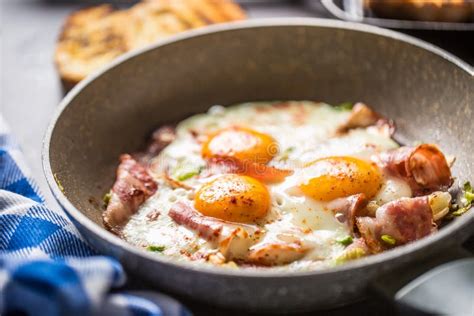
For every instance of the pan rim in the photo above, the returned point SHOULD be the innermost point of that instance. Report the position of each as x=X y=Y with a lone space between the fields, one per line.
x=108 y=237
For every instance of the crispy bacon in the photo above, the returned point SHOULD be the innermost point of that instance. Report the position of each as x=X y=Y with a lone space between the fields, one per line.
x=348 y=208
x=277 y=253
x=256 y=170
x=207 y=227
x=405 y=220
x=363 y=116
x=131 y=188
x=160 y=138
x=424 y=168
x=233 y=240
x=237 y=240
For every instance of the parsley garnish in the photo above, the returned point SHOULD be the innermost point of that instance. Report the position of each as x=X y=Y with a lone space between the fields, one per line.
x=350 y=254
x=187 y=175
x=345 y=106
x=389 y=240
x=156 y=248
x=466 y=200
x=468 y=194
x=107 y=198
x=285 y=154
x=183 y=173
x=58 y=183
x=347 y=240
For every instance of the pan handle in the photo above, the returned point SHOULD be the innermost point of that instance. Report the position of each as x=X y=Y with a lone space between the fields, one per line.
x=437 y=285
x=353 y=10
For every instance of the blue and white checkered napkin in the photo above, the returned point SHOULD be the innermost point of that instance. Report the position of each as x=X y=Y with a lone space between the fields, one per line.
x=46 y=268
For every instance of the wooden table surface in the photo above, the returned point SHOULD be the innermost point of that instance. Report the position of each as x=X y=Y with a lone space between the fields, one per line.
x=30 y=89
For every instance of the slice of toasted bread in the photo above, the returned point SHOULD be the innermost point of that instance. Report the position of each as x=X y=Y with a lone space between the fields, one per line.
x=93 y=37
x=149 y=21
x=187 y=14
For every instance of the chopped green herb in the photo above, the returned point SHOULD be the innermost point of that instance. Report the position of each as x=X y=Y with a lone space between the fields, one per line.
x=183 y=173
x=350 y=254
x=467 y=186
x=345 y=106
x=468 y=194
x=290 y=149
x=107 y=198
x=466 y=201
x=156 y=248
x=461 y=211
x=187 y=175
x=347 y=240
x=389 y=240
x=286 y=153
x=58 y=183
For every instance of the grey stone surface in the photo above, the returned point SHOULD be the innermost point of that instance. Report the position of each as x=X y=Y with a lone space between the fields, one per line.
x=30 y=89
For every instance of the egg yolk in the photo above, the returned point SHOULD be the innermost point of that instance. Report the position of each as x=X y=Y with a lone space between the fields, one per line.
x=241 y=143
x=336 y=177
x=233 y=198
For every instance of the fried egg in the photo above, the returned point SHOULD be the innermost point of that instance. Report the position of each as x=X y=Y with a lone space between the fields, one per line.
x=294 y=213
x=233 y=198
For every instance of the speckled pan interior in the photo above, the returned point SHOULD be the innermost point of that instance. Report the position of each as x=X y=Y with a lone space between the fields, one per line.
x=427 y=92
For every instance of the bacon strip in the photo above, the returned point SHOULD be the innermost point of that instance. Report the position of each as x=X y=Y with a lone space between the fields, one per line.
x=233 y=240
x=131 y=188
x=424 y=168
x=406 y=220
x=347 y=209
x=255 y=170
x=207 y=227
x=270 y=254
x=160 y=138
x=363 y=116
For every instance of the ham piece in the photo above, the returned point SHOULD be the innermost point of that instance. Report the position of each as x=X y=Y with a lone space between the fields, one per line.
x=402 y=221
x=132 y=187
x=423 y=167
x=207 y=227
x=346 y=209
x=161 y=138
x=363 y=116
x=233 y=240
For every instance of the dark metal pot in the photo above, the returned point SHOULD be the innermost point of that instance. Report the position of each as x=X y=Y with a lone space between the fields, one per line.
x=428 y=92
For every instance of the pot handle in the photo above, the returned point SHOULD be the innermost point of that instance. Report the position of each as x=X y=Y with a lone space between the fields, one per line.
x=437 y=285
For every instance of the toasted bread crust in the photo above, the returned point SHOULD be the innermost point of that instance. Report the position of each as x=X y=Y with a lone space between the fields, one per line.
x=94 y=36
